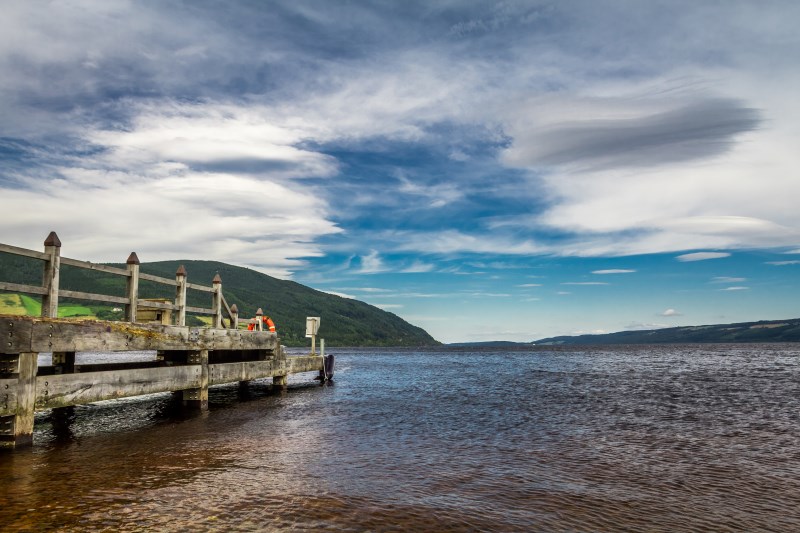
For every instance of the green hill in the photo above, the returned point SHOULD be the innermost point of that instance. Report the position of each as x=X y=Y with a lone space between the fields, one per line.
x=345 y=322
x=763 y=331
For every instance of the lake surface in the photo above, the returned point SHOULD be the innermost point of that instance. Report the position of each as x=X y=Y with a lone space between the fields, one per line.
x=658 y=438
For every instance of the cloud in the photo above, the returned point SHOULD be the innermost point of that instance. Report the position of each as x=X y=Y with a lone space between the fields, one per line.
x=585 y=283
x=671 y=312
x=783 y=263
x=418 y=267
x=528 y=285
x=737 y=288
x=726 y=279
x=643 y=326
x=372 y=263
x=613 y=271
x=388 y=306
x=702 y=256
x=695 y=130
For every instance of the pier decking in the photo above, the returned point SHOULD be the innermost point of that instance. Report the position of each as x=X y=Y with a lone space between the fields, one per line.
x=188 y=359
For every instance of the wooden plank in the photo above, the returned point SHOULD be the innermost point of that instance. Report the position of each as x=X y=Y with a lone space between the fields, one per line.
x=7 y=248
x=303 y=363
x=92 y=296
x=94 y=266
x=199 y=287
x=244 y=371
x=15 y=335
x=158 y=279
x=8 y=397
x=156 y=305
x=75 y=389
x=16 y=287
x=199 y=310
x=36 y=334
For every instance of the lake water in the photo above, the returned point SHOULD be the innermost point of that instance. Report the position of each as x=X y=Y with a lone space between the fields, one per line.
x=657 y=438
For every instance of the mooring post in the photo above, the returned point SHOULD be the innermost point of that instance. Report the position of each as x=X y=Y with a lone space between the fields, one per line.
x=198 y=398
x=133 y=287
x=259 y=320
x=180 y=296
x=234 y=317
x=52 y=266
x=216 y=301
x=17 y=429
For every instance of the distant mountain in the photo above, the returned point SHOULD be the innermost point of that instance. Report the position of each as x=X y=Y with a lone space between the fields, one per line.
x=763 y=331
x=345 y=322
x=488 y=344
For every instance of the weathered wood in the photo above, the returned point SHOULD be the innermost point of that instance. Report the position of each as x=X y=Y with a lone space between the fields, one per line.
x=16 y=287
x=63 y=362
x=158 y=279
x=21 y=333
x=199 y=287
x=216 y=301
x=93 y=297
x=157 y=305
x=200 y=310
x=180 y=296
x=132 y=288
x=75 y=389
x=14 y=250
x=22 y=432
x=50 y=275
x=15 y=335
x=243 y=371
x=94 y=266
x=8 y=397
x=303 y=363
x=198 y=397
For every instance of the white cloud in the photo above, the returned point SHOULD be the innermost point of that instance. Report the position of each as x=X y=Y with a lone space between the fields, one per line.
x=727 y=279
x=418 y=267
x=585 y=283
x=735 y=288
x=528 y=285
x=671 y=312
x=643 y=326
x=613 y=271
x=783 y=263
x=702 y=256
x=371 y=263
x=388 y=306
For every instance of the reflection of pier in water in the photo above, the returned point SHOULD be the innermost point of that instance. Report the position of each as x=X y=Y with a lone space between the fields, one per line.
x=189 y=360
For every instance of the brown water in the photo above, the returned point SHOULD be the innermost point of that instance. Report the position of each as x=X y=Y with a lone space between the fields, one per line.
x=683 y=438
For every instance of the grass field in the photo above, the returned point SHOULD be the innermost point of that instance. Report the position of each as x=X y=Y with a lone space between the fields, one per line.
x=21 y=305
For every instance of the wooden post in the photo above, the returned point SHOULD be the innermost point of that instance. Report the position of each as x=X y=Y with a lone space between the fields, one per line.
x=52 y=266
x=234 y=317
x=259 y=320
x=216 y=301
x=280 y=381
x=133 y=287
x=198 y=398
x=17 y=429
x=180 y=296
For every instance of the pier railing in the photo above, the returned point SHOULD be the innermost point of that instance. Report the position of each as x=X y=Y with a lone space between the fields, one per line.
x=50 y=291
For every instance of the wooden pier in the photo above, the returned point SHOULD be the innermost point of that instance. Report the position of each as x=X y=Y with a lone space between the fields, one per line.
x=188 y=360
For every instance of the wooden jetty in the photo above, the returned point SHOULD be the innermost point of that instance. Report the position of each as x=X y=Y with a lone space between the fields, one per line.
x=188 y=360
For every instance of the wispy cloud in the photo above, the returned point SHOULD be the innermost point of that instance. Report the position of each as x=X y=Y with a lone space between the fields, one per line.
x=671 y=312
x=726 y=279
x=585 y=283
x=371 y=263
x=613 y=271
x=702 y=256
x=783 y=263
x=529 y=285
x=736 y=288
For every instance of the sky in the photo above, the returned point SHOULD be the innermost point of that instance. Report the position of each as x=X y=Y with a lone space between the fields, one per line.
x=506 y=170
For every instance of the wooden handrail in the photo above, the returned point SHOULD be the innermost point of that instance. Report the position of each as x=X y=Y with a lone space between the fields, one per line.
x=51 y=292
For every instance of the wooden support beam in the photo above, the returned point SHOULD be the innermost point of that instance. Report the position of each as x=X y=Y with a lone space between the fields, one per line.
x=197 y=398
x=133 y=287
x=50 y=275
x=216 y=301
x=16 y=428
x=180 y=296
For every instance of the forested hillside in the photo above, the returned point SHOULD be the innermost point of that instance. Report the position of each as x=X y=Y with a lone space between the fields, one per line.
x=345 y=322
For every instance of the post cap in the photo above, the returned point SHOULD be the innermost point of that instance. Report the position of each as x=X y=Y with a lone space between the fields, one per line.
x=181 y=271
x=52 y=240
x=259 y=312
x=216 y=279
x=132 y=259
x=234 y=309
